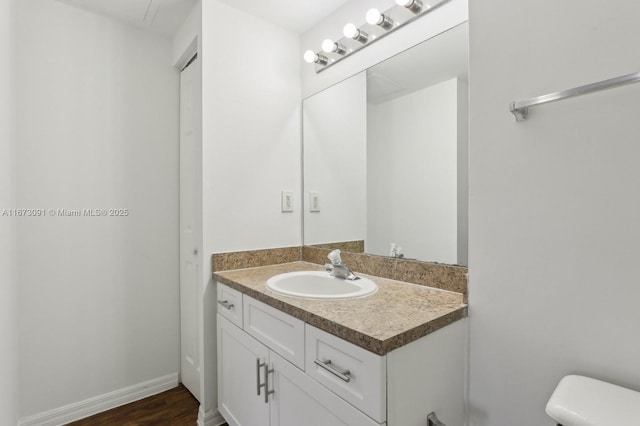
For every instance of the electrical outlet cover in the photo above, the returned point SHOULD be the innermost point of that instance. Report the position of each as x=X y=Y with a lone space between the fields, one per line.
x=314 y=201
x=287 y=201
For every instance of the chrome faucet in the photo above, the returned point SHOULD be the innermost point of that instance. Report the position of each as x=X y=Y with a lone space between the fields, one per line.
x=341 y=271
x=338 y=269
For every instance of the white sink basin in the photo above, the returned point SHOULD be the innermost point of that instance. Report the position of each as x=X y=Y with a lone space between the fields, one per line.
x=320 y=285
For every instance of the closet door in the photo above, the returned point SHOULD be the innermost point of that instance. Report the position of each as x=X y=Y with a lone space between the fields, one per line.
x=190 y=225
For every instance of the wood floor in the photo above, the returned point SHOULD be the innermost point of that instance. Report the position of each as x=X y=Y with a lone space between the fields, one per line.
x=175 y=407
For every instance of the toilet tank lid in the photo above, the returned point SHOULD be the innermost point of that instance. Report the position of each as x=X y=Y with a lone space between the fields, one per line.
x=582 y=401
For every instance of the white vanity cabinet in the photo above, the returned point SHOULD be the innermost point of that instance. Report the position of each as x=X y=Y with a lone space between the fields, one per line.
x=275 y=370
x=257 y=386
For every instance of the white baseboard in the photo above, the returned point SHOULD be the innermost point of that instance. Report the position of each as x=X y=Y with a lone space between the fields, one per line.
x=88 y=407
x=209 y=418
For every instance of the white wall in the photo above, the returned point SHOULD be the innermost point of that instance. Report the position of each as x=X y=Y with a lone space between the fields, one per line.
x=8 y=325
x=554 y=205
x=335 y=162
x=441 y=19
x=251 y=131
x=251 y=145
x=96 y=127
x=413 y=182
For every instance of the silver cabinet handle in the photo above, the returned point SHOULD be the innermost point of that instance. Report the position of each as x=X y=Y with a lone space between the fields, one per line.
x=225 y=304
x=341 y=374
x=259 y=365
x=268 y=392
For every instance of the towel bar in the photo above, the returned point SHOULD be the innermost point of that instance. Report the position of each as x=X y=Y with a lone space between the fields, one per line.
x=521 y=108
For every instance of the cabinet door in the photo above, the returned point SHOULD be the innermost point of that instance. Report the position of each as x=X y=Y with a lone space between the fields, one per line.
x=299 y=400
x=239 y=378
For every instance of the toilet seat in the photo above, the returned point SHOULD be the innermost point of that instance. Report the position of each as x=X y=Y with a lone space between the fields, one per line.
x=583 y=401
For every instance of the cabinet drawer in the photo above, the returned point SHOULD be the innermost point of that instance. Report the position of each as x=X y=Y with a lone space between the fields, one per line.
x=299 y=400
x=353 y=373
x=281 y=332
x=230 y=304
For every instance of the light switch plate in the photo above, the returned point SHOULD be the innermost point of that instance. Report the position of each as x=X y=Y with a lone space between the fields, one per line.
x=287 y=201
x=314 y=201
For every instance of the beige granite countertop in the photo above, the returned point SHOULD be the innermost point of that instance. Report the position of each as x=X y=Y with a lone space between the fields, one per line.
x=397 y=314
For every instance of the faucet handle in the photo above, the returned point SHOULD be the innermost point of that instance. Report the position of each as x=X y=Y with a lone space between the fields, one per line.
x=334 y=257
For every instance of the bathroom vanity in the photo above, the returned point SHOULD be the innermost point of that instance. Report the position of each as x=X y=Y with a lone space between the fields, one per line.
x=399 y=181
x=390 y=358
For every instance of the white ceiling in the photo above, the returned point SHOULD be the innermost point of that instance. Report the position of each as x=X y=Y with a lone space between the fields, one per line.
x=295 y=15
x=164 y=17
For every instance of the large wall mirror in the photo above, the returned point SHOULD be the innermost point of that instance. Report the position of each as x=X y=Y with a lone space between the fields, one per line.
x=385 y=156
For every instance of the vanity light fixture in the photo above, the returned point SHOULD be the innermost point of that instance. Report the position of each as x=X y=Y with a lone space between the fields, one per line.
x=330 y=46
x=351 y=31
x=312 y=57
x=375 y=17
x=378 y=25
x=413 y=5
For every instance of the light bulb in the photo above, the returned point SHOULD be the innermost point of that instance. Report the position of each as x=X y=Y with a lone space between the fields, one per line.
x=310 y=56
x=374 y=17
x=351 y=31
x=413 y=5
x=329 y=46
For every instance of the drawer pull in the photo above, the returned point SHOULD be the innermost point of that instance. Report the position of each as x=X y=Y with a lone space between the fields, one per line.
x=225 y=304
x=258 y=366
x=267 y=392
x=342 y=374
